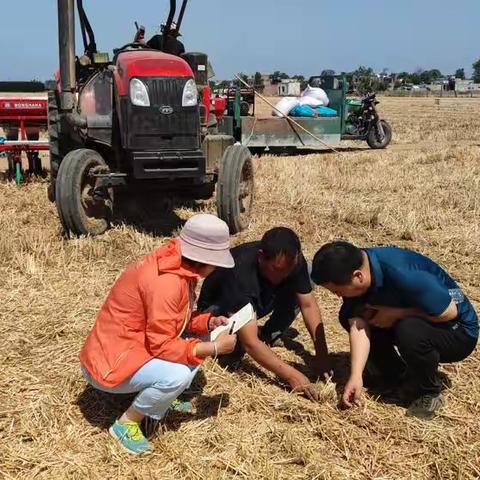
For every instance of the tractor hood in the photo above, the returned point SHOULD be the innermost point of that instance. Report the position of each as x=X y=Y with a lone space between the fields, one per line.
x=147 y=63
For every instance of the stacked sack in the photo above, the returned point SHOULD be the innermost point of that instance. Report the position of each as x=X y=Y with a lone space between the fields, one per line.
x=312 y=103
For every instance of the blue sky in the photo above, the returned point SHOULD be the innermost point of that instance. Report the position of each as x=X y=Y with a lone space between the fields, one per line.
x=296 y=36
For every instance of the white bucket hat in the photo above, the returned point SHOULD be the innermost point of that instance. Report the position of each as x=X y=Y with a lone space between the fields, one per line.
x=206 y=239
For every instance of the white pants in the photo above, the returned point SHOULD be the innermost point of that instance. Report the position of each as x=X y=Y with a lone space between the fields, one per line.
x=158 y=382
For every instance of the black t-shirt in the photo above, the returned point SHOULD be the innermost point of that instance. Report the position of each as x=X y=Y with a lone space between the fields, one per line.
x=167 y=44
x=231 y=289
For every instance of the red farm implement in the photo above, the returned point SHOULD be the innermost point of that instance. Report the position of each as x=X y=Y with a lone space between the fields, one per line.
x=22 y=119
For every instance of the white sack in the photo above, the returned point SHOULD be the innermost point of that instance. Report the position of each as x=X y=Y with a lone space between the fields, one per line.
x=316 y=92
x=285 y=105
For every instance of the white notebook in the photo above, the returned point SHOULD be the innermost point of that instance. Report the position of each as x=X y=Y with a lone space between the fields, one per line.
x=238 y=320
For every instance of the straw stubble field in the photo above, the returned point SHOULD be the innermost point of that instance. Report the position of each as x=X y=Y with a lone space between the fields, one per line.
x=423 y=193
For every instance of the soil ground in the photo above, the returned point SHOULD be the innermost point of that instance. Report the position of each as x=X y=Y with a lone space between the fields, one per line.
x=422 y=193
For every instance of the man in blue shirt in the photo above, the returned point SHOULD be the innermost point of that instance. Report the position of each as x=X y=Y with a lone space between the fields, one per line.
x=404 y=315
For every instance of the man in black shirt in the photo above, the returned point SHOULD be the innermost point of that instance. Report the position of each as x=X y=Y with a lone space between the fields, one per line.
x=273 y=276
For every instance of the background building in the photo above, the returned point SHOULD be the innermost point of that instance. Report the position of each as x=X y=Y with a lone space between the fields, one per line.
x=288 y=88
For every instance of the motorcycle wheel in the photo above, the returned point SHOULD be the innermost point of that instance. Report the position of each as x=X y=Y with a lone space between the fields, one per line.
x=378 y=143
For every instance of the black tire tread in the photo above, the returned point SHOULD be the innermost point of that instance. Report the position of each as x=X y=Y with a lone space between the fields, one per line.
x=68 y=193
x=229 y=177
x=53 y=133
x=372 y=141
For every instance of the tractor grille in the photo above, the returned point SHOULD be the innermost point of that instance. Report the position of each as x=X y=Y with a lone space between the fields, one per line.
x=166 y=91
x=150 y=129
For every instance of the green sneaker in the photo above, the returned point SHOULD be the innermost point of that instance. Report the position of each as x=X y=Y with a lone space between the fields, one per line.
x=130 y=437
x=426 y=406
x=181 y=406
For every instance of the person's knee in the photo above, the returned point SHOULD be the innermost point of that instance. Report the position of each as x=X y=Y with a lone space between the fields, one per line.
x=178 y=377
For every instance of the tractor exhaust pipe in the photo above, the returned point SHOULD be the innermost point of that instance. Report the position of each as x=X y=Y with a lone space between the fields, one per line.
x=171 y=15
x=181 y=15
x=66 y=47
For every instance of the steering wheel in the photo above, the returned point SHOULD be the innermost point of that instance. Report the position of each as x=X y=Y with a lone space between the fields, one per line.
x=133 y=46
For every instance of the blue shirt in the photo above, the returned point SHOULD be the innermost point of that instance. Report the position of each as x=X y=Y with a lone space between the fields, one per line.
x=405 y=279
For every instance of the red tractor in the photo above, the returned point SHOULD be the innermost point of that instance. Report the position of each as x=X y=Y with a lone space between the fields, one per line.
x=143 y=121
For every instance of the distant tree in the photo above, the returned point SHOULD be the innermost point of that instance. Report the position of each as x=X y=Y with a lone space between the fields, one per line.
x=476 y=71
x=327 y=73
x=429 y=76
x=363 y=71
x=363 y=79
x=415 y=78
x=258 y=82
x=425 y=77
x=245 y=77
x=403 y=77
x=460 y=73
x=277 y=77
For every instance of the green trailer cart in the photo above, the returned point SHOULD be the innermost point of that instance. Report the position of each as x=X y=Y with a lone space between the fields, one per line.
x=356 y=120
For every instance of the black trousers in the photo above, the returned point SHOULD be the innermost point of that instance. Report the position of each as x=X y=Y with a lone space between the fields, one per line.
x=283 y=310
x=422 y=346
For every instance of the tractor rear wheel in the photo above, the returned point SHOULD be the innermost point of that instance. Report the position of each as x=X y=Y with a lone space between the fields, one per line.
x=83 y=210
x=57 y=141
x=373 y=139
x=235 y=188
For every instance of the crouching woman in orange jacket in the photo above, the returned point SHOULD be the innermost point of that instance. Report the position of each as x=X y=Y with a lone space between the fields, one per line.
x=146 y=336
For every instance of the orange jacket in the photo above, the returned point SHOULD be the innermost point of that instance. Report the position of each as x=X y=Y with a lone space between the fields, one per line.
x=143 y=317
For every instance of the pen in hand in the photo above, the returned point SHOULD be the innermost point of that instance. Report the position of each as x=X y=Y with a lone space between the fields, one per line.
x=231 y=328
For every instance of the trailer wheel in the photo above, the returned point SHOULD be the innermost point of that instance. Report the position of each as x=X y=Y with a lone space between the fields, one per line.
x=235 y=188
x=373 y=139
x=244 y=108
x=82 y=210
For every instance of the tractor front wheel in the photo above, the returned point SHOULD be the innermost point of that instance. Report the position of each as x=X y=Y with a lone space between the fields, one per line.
x=83 y=209
x=235 y=188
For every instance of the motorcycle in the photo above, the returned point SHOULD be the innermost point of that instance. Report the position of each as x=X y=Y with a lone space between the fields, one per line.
x=364 y=123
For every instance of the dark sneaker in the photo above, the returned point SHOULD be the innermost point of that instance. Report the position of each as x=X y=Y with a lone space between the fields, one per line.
x=276 y=343
x=426 y=406
x=445 y=379
x=271 y=341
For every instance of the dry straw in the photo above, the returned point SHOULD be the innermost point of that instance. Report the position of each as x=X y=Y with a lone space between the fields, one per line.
x=247 y=426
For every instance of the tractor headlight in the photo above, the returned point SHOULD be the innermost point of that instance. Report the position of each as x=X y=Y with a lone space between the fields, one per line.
x=190 y=94
x=139 y=93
